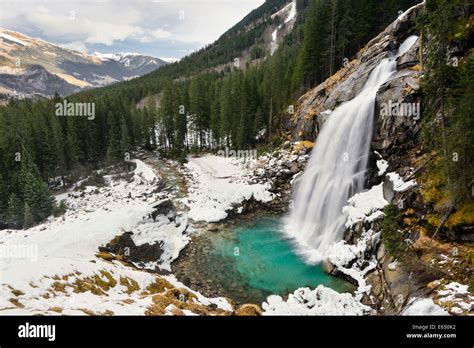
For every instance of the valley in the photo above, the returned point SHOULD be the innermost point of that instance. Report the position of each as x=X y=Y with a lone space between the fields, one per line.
x=316 y=159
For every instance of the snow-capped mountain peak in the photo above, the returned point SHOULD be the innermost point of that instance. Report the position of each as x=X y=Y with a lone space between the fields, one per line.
x=65 y=71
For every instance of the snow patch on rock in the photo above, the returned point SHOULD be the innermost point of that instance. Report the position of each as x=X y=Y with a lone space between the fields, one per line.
x=349 y=260
x=399 y=185
x=319 y=301
x=365 y=206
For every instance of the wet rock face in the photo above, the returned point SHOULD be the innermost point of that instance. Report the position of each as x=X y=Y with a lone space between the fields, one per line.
x=398 y=111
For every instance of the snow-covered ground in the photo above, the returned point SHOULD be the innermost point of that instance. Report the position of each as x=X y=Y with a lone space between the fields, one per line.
x=54 y=265
x=424 y=306
x=456 y=298
x=220 y=184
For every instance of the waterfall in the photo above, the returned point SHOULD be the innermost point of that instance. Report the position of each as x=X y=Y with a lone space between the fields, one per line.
x=337 y=167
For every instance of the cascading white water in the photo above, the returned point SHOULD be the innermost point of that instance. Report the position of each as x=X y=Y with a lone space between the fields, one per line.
x=337 y=167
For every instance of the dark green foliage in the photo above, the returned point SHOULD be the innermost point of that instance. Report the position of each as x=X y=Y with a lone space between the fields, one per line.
x=448 y=93
x=38 y=202
x=29 y=200
x=461 y=132
x=59 y=209
x=392 y=237
x=14 y=214
x=3 y=201
x=28 y=218
x=256 y=53
x=337 y=29
x=96 y=179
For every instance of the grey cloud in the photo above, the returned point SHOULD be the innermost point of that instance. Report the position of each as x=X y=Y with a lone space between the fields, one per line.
x=111 y=24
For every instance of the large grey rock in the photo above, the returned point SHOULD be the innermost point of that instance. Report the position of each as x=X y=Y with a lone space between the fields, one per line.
x=393 y=132
x=140 y=255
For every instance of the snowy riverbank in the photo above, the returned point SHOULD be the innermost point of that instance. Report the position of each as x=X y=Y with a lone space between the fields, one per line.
x=218 y=185
x=53 y=268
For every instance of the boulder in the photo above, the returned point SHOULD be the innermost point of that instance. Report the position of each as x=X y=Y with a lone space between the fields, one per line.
x=140 y=255
x=328 y=267
x=410 y=58
x=394 y=134
x=164 y=208
x=388 y=190
x=248 y=310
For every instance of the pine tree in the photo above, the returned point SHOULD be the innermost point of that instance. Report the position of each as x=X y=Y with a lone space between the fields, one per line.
x=226 y=110
x=247 y=118
x=199 y=105
x=236 y=107
x=311 y=67
x=391 y=236
x=167 y=115
x=71 y=150
x=114 y=137
x=3 y=200
x=34 y=191
x=28 y=218
x=461 y=132
x=180 y=121
x=215 y=119
x=14 y=214
x=125 y=137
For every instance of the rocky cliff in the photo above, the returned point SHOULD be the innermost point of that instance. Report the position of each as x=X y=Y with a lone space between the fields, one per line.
x=313 y=107
x=430 y=269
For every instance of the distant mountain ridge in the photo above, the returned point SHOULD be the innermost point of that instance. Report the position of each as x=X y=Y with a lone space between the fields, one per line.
x=58 y=69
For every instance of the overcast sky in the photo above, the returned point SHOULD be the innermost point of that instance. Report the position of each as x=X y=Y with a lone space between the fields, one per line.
x=162 y=28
